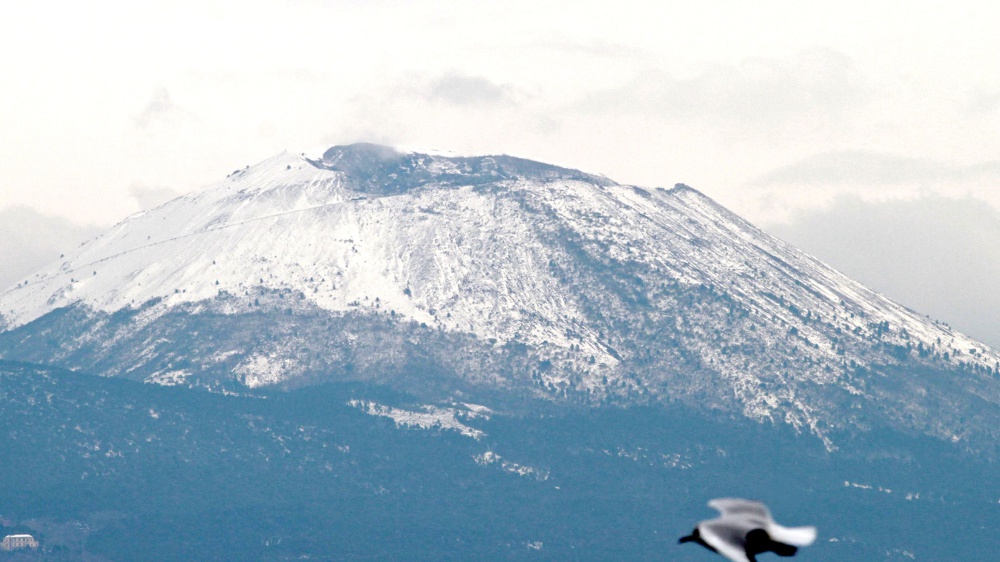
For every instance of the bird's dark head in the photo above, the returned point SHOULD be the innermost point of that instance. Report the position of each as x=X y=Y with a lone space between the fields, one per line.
x=695 y=537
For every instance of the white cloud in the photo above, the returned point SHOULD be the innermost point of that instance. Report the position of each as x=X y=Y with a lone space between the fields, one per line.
x=460 y=89
x=151 y=196
x=757 y=91
x=30 y=240
x=819 y=180
x=939 y=256
x=160 y=107
x=984 y=104
x=867 y=168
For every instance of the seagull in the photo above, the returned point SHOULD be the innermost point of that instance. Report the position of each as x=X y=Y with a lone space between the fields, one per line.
x=745 y=529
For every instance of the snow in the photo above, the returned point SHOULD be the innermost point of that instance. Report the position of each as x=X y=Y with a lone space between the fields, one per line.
x=478 y=410
x=432 y=417
x=262 y=229
x=169 y=378
x=265 y=369
x=412 y=149
x=490 y=458
x=287 y=224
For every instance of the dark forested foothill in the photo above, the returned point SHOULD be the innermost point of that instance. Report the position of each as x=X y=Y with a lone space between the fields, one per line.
x=132 y=471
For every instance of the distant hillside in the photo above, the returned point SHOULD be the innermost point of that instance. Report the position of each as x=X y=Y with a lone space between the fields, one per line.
x=133 y=471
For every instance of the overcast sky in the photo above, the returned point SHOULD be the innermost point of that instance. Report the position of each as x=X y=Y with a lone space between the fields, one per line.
x=796 y=115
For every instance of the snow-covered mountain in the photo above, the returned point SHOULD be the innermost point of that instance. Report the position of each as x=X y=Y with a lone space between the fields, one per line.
x=443 y=275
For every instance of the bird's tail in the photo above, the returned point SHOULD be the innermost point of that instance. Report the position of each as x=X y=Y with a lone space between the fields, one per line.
x=798 y=536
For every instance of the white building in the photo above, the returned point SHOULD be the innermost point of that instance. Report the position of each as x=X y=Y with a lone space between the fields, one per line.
x=14 y=542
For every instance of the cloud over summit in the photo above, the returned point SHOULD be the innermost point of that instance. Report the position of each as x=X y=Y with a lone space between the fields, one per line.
x=460 y=89
x=158 y=108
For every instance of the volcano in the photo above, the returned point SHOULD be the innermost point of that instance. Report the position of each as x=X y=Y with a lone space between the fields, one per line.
x=497 y=279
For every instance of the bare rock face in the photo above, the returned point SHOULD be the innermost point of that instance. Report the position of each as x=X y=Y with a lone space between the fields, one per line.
x=495 y=276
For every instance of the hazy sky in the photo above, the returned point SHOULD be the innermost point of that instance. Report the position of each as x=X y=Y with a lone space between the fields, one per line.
x=789 y=113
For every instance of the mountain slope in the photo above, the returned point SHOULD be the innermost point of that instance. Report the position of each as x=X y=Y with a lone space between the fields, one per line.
x=484 y=275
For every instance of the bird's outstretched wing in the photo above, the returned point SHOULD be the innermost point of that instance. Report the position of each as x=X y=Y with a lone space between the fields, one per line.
x=795 y=536
x=738 y=507
x=725 y=539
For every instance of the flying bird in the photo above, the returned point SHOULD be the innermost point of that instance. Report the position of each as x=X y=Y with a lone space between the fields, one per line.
x=745 y=529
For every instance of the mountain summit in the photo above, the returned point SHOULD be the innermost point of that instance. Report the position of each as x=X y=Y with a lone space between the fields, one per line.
x=495 y=276
x=382 y=170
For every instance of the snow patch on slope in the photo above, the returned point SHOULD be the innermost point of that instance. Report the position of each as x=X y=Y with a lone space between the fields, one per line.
x=431 y=417
x=490 y=458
